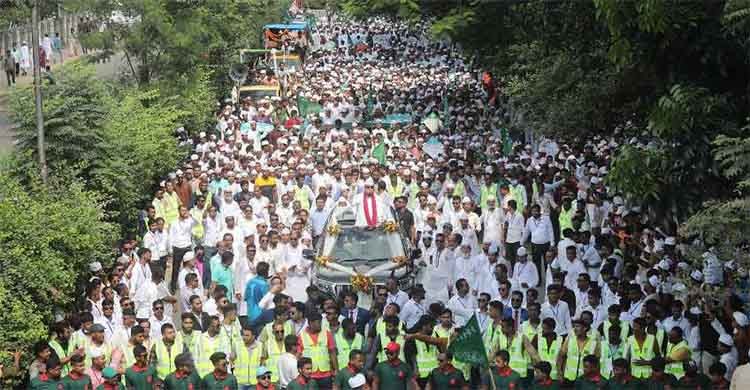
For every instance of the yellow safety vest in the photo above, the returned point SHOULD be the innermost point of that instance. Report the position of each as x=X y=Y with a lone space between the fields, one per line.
x=566 y=218
x=247 y=363
x=676 y=368
x=530 y=331
x=302 y=196
x=191 y=341
x=426 y=358
x=397 y=190
x=644 y=352
x=413 y=191
x=274 y=351
x=171 y=207
x=574 y=358
x=344 y=347
x=517 y=195
x=60 y=354
x=624 y=330
x=516 y=351
x=165 y=356
x=380 y=327
x=198 y=230
x=268 y=330
x=318 y=352
x=106 y=348
x=459 y=190
x=490 y=340
x=384 y=341
x=549 y=352
x=129 y=355
x=232 y=334
x=206 y=347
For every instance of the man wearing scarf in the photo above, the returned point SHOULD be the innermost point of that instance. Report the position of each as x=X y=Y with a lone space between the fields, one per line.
x=371 y=212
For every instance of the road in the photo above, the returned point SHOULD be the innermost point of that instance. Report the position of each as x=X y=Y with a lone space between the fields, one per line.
x=104 y=71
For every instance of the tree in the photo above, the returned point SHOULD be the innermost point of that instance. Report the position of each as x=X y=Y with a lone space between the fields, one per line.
x=49 y=236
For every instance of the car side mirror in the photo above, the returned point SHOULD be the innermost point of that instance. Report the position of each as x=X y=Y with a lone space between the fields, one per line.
x=308 y=254
x=415 y=254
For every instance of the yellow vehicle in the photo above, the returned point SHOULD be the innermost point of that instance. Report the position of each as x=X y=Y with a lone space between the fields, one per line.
x=290 y=61
x=259 y=91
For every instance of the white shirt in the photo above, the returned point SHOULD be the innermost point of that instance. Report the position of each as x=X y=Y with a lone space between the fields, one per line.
x=560 y=313
x=411 y=312
x=599 y=314
x=668 y=323
x=540 y=231
x=156 y=326
x=492 y=223
x=287 y=368
x=525 y=272
x=515 y=227
x=400 y=298
x=463 y=308
x=181 y=232
x=212 y=230
x=465 y=267
x=152 y=241
x=730 y=361
x=140 y=274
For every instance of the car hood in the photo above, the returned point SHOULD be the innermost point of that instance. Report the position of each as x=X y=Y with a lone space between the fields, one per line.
x=338 y=277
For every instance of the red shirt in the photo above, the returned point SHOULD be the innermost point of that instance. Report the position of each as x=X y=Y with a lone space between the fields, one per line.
x=314 y=337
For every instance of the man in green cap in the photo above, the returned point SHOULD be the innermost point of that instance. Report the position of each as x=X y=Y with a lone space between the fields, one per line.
x=445 y=376
x=183 y=378
x=141 y=375
x=354 y=367
x=111 y=380
x=220 y=378
x=77 y=378
x=393 y=374
x=303 y=380
x=503 y=376
x=50 y=379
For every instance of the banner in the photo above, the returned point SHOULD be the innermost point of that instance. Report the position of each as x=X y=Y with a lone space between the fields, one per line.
x=433 y=147
x=468 y=347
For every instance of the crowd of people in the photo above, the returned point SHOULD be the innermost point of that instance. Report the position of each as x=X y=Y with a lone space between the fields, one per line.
x=571 y=285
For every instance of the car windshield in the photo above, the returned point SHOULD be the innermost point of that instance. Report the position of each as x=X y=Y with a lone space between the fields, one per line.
x=357 y=244
x=257 y=94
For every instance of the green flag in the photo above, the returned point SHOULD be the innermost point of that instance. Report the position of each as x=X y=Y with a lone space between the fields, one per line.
x=378 y=152
x=306 y=106
x=507 y=142
x=468 y=347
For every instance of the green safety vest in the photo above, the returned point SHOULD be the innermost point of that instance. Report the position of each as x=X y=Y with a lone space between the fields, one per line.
x=247 y=363
x=517 y=195
x=490 y=340
x=60 y=351
x=516 y=351
x=302 y=196
x=268 y=330
x=106 y=348
x=574 y=358
x=274 y=352
x=426 y=358
x=380 y=327
x=344 y=347
x=384 y=341
x=608 y=355
x=317 y=351
x=128 y=354
x=549 y=352
x=206 y=347
x=413 y=191
x=530 y=331
x=232 y=334
x=566 y=218
x=397 y=190
x=676 y=368
x=171 y=207
x=191 y=341
x=459 y=190
x=197 y=214
x=644 y=352
x=487 y=192
x=165 y=356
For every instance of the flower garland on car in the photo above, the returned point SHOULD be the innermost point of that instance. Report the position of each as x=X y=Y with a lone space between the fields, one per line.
x=362 y=282
x=333 y=229
x=400 y=260
x=390 y=227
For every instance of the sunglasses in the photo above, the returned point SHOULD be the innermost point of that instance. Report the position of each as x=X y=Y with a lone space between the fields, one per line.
x=264 y=377
x=158 y=308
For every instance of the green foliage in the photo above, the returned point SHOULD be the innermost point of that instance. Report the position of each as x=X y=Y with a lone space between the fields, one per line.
x=639 y=173
x=140 y=150
x=74 y=108
x=48 y=237
x=404 y=9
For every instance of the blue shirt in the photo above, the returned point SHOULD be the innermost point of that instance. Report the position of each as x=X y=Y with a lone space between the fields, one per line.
x=223 y=275
x=255 y=289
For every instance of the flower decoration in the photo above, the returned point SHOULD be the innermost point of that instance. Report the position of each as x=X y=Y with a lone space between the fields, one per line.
x=390 y=227
x=333 y=229
x=323 y=260
x=362 y=283
x=400 y=260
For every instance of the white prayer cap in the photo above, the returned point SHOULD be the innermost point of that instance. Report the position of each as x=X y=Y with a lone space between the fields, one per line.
x=286 y=231
x=683 y=265
x=357 y=381
x=726 y=340
x=96 y=352
x=202 y=134
x=521 y=251
x=466 y=199
x=424 y=184
x=617 y=200
x=679 y=288
x=190 y=255
x=654 y=281
x=695 y=310
x=664 y=265
x=193 y=157
x=697 y=276
x=95 y=266
x=741 y=319
x=369 y=182
x=670 y=241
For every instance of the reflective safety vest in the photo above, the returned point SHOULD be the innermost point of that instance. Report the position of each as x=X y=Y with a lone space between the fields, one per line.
x=197 y=214
x=641 y=352
x=624 y=330
x=548 y=352
x=206 y=347
x=459 y=190
x=171 y=207
x=516 y=351
x=517 y=195
x=232 y=334
x=318 y=352
x=609 y=355
x=302 y=196
x=247 y=363
x=566 y=218
x=274 y=351
x=60 y=354
x=574 y=358
x=165 y=356
x=397 y=190
x=268 y=329
x=344 y=347
x=413 y=191
x=490 y=340
x=380 y=328
x=384 y=341
x=487 y=192
x=106 y=349
x=530 y=331
x=426 y=358
x=676 y=368
x=129 y=355
x=191 y=341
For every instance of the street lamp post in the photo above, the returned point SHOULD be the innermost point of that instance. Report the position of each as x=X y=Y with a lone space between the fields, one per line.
x=38 y=90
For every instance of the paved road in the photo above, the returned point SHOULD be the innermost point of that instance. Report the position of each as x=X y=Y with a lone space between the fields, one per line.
x=105 y=71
